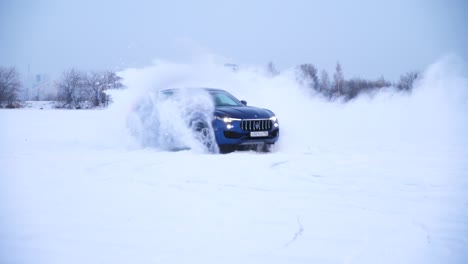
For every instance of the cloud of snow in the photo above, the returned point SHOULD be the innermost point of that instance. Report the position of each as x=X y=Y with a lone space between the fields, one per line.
x=433 y=116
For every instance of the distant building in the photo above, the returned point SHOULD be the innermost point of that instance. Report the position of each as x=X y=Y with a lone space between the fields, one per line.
x=38 y=87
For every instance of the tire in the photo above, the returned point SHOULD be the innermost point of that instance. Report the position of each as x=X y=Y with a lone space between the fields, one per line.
x=266 y=148
x=225 y=149
x=204 y=134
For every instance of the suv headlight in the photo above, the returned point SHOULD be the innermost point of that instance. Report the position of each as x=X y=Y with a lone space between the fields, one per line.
x=227 y=119
x=274 y=119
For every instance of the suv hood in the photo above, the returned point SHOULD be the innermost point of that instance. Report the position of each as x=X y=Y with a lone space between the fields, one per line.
x=242 y=112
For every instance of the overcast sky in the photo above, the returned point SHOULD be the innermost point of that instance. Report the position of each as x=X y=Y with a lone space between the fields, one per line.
x=368 y=37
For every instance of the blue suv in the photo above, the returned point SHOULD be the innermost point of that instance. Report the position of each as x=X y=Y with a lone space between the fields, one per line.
x=234 y=125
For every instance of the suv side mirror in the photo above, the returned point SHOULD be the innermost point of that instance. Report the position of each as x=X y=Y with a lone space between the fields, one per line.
x=244 y=102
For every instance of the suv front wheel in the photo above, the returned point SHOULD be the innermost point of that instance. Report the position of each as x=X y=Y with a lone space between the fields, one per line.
x=204 y=134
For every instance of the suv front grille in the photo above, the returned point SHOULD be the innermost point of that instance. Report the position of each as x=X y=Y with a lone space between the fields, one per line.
x=256 y=124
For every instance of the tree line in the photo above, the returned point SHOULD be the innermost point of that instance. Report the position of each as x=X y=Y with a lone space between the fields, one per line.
x=74 y=89
x=337 y=87
x=77 y=89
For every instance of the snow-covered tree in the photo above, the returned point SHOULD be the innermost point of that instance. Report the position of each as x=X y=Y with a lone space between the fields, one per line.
x=407 y=80
x=271 y=69
x=9 y=85
x=70 y=88
x=324 y=86
x=307 y=75
x=96 y=84
x=338 y=80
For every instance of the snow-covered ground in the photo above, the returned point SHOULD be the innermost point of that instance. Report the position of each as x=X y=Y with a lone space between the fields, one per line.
x=378 y=180
x=40 y=104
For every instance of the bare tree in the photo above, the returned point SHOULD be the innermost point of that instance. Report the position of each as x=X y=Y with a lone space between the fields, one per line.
x=381 y=83
x=407 y=80
x=70 y=88
x=9 y=85
x=94 y=87
x=111 y=81
x=307 y=74
x=356 y=86
x=338 y=80
x=324 y=86
x=96 y=84
x=271 y=69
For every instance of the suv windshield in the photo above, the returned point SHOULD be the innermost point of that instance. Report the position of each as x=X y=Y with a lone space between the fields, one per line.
x=224 y=99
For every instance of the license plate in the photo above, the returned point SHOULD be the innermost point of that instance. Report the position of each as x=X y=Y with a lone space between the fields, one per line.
x=259 y=134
